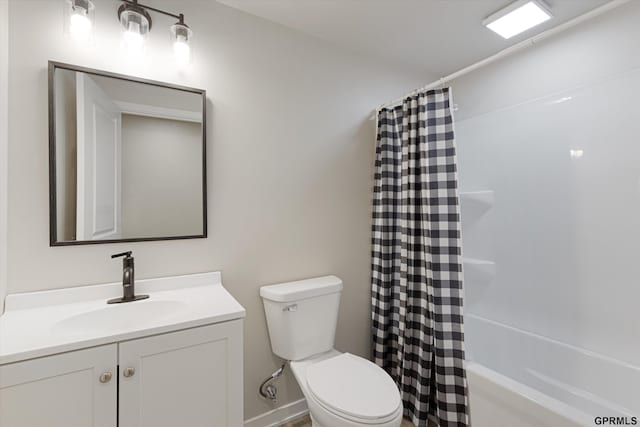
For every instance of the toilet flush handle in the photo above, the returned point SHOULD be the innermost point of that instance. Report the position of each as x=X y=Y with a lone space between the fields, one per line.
x=292 y=307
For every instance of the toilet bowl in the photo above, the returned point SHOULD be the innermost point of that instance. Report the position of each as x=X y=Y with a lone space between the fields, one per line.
x=341 y=389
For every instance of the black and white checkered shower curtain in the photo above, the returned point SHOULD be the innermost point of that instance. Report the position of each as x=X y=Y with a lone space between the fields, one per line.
x=417 y=260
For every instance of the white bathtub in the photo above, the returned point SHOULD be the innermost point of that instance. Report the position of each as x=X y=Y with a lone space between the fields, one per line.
x=520 y=379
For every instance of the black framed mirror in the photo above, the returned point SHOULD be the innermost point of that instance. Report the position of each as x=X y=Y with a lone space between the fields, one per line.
x=127 y=158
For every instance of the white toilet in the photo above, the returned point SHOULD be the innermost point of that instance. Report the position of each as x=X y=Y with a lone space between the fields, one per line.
x=342 y=390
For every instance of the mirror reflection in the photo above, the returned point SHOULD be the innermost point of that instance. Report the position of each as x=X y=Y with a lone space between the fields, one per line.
x=129 y=159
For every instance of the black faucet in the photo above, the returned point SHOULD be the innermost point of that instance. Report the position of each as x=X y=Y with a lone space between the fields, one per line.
x=128 y=280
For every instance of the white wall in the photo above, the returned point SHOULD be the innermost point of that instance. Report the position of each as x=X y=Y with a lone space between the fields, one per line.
x=4 y=144
x=564 y=231
x=161 y=160
x=290 y=153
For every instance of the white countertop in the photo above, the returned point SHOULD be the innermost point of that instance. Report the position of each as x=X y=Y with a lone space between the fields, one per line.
x=39 y=324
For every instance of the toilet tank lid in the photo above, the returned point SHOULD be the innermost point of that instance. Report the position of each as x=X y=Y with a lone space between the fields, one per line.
x=301 y=289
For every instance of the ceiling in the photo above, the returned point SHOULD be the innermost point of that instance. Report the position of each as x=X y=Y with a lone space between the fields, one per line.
x=436 y=37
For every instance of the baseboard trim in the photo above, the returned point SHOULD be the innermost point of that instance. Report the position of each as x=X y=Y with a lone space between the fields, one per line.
x=280 y=415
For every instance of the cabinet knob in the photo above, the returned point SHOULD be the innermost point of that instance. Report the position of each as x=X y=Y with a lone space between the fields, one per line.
x=105 y=377
x=128 y=372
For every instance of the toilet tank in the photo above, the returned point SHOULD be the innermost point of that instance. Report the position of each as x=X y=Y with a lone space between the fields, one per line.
x=302 y=316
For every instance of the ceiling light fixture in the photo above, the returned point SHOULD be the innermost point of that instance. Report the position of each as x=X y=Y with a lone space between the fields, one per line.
x=79 y=18
x=518 y=17
x=136 y=22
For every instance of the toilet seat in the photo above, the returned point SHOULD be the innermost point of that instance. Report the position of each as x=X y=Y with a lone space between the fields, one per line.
x=354 y=388
x=397 y=415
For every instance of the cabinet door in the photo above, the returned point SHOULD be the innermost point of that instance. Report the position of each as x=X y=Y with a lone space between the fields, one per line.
x=64 y=390
x=187 y=378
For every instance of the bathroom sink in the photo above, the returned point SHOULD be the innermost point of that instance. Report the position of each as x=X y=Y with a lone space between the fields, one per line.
x=42 y=323
x=119 y=316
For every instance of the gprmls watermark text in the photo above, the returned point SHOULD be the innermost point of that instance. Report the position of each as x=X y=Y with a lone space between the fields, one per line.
x=616 y=421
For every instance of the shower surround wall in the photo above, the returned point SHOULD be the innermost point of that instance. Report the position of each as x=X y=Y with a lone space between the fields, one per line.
x=289 y=155
x=553 y=131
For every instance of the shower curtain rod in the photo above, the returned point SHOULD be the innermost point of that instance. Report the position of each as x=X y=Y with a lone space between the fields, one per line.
x=506 y=52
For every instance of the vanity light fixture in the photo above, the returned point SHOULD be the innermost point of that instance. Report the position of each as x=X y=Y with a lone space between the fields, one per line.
x=136 y=22
x=79 y=18
x=518 y=17
x=181 y=37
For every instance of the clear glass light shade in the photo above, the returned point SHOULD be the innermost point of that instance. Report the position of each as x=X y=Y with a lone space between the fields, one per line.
x=181 y=38
x=79 y=20
x=136 y=28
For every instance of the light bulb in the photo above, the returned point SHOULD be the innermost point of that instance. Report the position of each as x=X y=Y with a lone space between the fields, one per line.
x=133 y=39
x=136 y=23
x=181 y=35
x=182 y=51
x=79 y=16
x=80 y=26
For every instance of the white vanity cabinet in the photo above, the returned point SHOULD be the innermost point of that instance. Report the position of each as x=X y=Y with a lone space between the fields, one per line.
x=188 y=378
x=63 y=390
x=191 y=378
x=68 y=359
